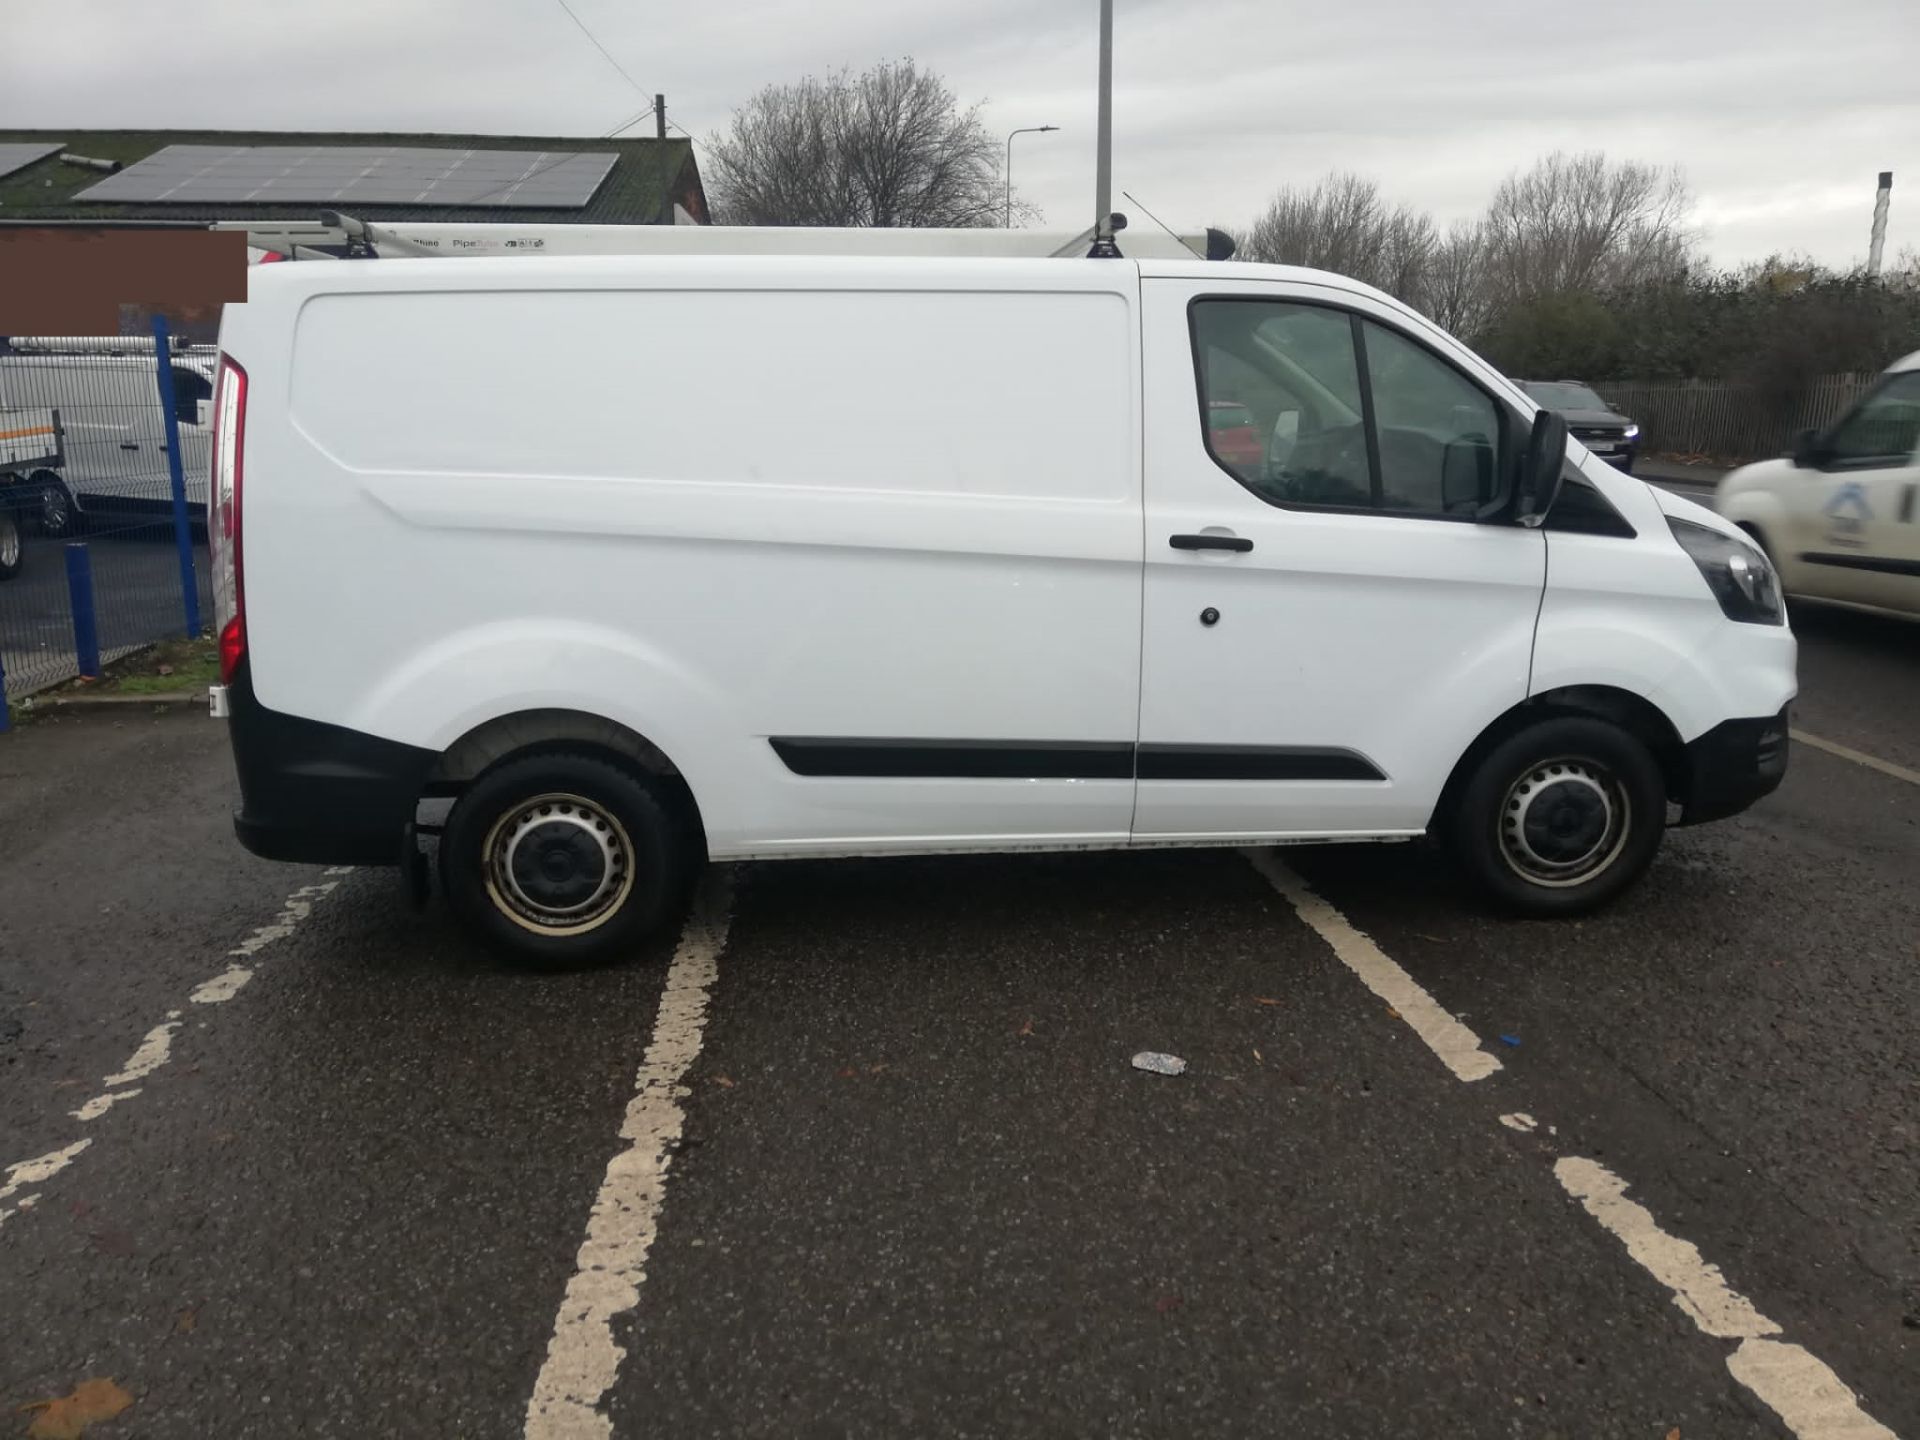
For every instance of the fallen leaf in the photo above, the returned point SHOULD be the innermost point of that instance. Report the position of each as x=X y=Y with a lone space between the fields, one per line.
x=1258 y=1056
x=1026 y=1029
x=68 y=1417
x=1674 y=1433
x=225 y=1137
x=1166 y=1304
x=723 y=1081
x=187 y=1319
x=845 y=1073
x=879 y=1069
x=1392 y=1014
x=1265 y=1000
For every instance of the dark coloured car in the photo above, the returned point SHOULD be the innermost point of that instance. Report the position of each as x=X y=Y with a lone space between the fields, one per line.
x=1591 y=421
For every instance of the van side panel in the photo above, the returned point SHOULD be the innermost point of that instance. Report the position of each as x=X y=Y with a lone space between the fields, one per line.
x=803 y=512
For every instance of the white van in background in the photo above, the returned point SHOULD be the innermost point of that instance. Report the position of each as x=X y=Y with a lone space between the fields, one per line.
x=773 y=557
x=1840 y=517
x=113 y=424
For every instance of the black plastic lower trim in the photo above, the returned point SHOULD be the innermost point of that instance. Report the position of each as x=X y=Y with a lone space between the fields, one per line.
x=956 y=759
x=1731 y=766
x=1254 y=762
x=1878 y=564
x=1064 y=760
x=318 y=793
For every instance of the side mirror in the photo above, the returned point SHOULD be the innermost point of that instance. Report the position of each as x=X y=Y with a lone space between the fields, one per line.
x=1541 y=468
x=1807 y=452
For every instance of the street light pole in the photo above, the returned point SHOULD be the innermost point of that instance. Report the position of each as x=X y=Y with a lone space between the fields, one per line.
x=1023 y=130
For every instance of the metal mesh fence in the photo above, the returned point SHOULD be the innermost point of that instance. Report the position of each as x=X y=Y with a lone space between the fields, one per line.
x=106 y=485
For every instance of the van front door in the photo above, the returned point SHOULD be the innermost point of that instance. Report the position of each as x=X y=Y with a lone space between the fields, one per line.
x=1855 y=528
x=1326 y=626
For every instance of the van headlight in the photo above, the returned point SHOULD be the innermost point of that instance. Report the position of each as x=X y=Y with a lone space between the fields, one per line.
x=1632 y=432
x=1741 y=578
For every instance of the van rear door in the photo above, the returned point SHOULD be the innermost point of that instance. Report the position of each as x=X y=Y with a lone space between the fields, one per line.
x=1326 y=627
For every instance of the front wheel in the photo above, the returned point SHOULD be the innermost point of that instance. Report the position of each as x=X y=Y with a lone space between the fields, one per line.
x=9 y=543
x=1560 y=817
x=563 y=859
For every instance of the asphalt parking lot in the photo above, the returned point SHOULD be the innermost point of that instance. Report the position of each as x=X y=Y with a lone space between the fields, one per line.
x=861 y=1152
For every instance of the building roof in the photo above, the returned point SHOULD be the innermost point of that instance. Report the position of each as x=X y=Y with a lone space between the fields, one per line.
x=647 y=179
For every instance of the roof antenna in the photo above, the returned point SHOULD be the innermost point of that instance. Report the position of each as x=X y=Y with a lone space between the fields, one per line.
x=1161 y=223
x=1103 y=226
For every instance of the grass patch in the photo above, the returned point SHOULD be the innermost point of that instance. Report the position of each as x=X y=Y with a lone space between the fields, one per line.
x=160 y=670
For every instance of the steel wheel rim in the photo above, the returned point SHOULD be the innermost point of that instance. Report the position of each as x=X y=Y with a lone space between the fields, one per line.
x=558 y=864
x=1563 y=822
x=9 y=541
x=56 y=510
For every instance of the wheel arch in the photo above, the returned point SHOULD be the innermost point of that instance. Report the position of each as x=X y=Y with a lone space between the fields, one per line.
x=526 y=732
x=1635 y=714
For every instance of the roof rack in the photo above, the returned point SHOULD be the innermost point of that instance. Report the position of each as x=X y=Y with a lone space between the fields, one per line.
x=334 y=236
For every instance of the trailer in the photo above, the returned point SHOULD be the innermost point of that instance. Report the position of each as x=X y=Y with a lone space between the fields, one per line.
x=32 y=455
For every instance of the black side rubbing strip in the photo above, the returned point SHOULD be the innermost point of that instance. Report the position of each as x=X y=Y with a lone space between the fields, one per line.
x=956 y=759
x=1063 y=760
x=1878 y=564
x=1253 y=762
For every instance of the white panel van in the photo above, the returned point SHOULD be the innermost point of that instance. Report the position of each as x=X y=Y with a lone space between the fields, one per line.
x=648 y=560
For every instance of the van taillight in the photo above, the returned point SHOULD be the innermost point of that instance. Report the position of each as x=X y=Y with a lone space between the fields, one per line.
x=223 y=521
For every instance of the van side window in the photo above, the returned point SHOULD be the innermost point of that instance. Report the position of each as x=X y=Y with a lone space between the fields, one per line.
x=1883 y=429
x=1340 y=412
x=190 y=387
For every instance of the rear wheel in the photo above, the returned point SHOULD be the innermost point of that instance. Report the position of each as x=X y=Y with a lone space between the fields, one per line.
x=9 y=542
x=1560 y=817
x=563 y=859
x=59 y=517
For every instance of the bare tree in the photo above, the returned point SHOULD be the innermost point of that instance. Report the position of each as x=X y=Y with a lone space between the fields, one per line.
x=1585 y=223
x=890 y=146
x=1343 y=224
x=1455 y=296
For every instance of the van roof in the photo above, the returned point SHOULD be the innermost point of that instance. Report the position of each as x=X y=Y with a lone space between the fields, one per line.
x=1906 y=362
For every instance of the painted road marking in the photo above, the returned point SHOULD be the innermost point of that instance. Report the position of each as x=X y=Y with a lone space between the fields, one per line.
x=36 y=1171
x=1796 y=1386
x=156 y=1048
x=1458 y=1047
x=582 y=1359
x=154 y=1052
x=1814 y=1402
x=1858 y=757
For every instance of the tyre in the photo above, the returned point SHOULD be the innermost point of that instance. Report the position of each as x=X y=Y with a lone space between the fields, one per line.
x=563 y=859
x=9 y=542
x=54 y=508
x=1560 y=817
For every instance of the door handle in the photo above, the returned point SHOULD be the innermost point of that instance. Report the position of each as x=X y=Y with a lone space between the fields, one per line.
x=1237 y=543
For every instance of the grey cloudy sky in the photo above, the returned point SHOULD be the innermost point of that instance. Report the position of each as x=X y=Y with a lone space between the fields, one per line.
x=1780 y=114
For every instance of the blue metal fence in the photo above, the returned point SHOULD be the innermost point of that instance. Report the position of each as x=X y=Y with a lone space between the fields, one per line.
x=109 y=548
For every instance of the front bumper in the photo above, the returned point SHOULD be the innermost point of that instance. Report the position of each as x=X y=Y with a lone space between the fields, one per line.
x=1733 y=765
x=317 y=793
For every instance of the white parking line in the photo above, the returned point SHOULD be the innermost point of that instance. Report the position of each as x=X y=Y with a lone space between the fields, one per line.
x=156 y=1047
x=582 y=1359
x=1458 y=1047
x=1858 y=757
x=1795 y=1385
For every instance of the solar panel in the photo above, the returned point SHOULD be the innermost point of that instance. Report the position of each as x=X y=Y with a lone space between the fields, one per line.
x=360 y=174
x=18 y=157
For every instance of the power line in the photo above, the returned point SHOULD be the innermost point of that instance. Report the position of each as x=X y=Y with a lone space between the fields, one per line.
x=601 y=48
